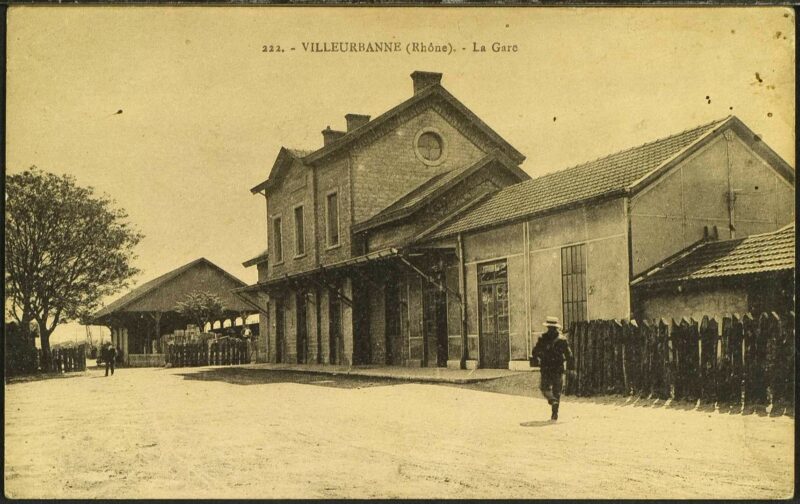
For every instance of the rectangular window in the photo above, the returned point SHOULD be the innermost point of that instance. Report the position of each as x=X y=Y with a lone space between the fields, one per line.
x=299 y=232
x=333 y=219
x=573 y=284
x=277 y=233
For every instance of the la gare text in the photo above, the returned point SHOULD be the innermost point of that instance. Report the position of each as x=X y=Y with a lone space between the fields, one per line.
x=392 y=47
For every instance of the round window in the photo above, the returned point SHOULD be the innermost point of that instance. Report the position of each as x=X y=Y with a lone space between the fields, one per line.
x=430 y=146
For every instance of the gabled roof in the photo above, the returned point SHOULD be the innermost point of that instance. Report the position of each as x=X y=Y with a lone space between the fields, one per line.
x=262 y=257
x=761 y=253
x=285 y=157
x=150 y=286
x=625 y=171
x=434 y=188
x=435 y=91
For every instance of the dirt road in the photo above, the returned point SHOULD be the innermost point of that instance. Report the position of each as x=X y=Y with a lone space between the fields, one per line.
x=148 y=433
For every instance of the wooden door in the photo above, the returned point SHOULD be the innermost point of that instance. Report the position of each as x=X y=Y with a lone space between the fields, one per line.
x=434 y=320
x=335 y=327
x=279 y=330
x=493 y=297
x=394 y=338
x=302 y=328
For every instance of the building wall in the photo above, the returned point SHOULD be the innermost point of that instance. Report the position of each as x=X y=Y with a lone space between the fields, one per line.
x=716 y=301
x=201 y=277
x=534 y=278
x=670 y=214
x=387 y=167
x=295 y=189
x=500 y=243
x=485 y=181
x=602 y=227
x=262 y=269
x=333 y=177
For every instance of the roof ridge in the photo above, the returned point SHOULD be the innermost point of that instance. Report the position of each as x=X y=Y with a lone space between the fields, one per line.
x=773 y=232
x=294 y=150
x=635 y=147
x=744 y=238
x=436 y=90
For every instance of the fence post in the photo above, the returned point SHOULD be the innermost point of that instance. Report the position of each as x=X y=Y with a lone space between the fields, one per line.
x=770 y=335
x=750 y=358
x=629 y=355
x=645 y=367
x=618 y=374
x=570 y=382
x=666 y=360
x=788 y=361
x=693 y=360
x=708 y=359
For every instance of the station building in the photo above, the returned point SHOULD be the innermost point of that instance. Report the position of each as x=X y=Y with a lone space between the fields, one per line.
x=414 y=238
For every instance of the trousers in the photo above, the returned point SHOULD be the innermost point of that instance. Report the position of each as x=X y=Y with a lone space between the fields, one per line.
x=551 y=384
x=109 y=365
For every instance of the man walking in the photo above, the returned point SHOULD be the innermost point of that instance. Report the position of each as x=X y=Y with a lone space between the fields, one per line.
x=110 y=357
x=551 y=352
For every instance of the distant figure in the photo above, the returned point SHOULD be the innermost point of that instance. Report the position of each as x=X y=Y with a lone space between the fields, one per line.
x=110 y=357
x=551 y=351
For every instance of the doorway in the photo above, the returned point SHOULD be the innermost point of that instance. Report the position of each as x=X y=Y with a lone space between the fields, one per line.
x=279 y=330
x=335 y=327
x=434 y=320
x=302 y=328
x=394 y=313
x=493 y=312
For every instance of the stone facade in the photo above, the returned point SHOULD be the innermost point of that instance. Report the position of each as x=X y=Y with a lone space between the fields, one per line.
x=388 y=294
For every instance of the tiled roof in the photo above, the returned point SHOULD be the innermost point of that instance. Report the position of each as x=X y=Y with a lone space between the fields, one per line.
x=412 y=200
x=760 y=253
x=603 y=176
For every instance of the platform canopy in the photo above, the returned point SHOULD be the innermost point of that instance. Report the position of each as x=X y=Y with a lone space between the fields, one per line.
x=148 y=311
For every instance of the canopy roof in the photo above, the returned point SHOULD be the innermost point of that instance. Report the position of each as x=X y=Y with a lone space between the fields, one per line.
x=162 y=293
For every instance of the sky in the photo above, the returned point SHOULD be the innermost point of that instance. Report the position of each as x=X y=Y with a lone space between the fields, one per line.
x=205 y=110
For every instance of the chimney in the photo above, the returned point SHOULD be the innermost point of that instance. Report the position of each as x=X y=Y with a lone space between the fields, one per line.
x=329 y=135
x=355 y=120
x=423 y=80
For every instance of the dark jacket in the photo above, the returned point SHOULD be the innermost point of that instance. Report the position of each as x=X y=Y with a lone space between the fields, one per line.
x=552 y=351
x=109 y=353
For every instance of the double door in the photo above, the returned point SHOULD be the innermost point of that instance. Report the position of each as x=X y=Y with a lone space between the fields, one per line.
x=493 y=295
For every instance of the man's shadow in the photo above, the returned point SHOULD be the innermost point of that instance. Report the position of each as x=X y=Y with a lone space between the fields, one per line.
x=538 y=423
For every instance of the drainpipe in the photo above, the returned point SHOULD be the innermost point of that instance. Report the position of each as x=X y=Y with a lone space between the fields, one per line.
x=462 y=284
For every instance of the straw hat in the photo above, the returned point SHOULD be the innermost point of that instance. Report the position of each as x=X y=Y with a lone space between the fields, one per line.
x=552 y=322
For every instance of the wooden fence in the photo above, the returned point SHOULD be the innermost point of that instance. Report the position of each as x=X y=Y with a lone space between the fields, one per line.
x=223 y=352
x=738 y=359
x=64 y=359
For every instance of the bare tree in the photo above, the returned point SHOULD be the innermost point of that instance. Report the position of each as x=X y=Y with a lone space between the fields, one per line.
x=66 y=249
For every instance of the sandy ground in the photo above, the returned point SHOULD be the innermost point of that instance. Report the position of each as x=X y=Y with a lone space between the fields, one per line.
x=211 y=433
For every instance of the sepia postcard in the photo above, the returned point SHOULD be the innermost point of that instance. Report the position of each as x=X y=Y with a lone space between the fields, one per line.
x=399 y=252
